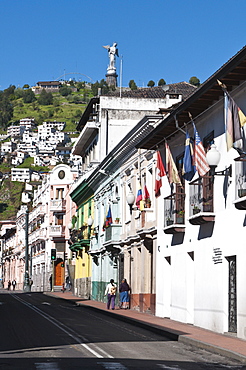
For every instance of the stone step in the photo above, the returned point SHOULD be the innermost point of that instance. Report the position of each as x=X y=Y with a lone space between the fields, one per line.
x=57 y=288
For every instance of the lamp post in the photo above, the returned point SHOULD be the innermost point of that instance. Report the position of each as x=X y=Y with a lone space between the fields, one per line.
x=213 y=158
x=26 y=287
x=90 y=223
x=130 y=198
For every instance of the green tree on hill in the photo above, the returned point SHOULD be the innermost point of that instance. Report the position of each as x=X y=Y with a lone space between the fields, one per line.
x=161 y=82
x=65 y=90
x=102 y=85
x=9 y=92
x=6 y=111
x=132 y=85
x=45 y=98
x=194 y=81
x=151 y=83
x=28 y=96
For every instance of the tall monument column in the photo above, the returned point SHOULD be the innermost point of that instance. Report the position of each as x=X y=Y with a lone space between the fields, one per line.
x=111 y=76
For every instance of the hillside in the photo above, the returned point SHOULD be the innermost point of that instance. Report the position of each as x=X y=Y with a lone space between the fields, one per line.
x=10 y=195
x=64 y=108
x=67 y=109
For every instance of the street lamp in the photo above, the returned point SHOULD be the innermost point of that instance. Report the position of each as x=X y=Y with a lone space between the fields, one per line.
x=90 y=223
x=26 y=287
x=213 y=158
x=130 y=198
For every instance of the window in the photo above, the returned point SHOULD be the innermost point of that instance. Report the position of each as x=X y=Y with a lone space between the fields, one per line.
x=59 y=220
x=59 y=193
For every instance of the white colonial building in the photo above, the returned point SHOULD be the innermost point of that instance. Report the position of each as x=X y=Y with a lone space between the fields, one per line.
x=200 y=252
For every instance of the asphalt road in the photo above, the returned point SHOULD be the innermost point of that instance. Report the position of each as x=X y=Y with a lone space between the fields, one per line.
x=41 y=332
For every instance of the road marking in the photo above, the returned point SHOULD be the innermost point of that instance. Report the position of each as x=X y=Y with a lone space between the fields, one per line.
x=65 y=329
x=175 y=367
x=46 y=366
x=112 y=365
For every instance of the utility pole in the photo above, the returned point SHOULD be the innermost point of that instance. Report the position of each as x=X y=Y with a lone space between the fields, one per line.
x=26 y=286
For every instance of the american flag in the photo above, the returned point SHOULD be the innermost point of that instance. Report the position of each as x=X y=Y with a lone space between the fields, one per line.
x=200 y=160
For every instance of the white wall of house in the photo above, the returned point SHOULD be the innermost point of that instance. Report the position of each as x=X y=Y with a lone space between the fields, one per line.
x=196 y=291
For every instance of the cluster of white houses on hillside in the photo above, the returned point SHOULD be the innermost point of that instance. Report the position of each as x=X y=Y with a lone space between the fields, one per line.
x=180 y=248
x=47 y=144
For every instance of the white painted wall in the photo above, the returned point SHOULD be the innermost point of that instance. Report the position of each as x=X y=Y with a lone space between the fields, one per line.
x=197 y=292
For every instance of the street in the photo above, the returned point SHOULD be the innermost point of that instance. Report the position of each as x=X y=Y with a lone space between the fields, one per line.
x=41 y=332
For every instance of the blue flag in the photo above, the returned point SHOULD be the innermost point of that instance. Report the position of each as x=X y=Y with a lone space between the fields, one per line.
x=189 y=168
x=109 y=220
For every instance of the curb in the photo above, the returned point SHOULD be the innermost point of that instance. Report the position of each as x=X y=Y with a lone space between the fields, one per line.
x=212 y=348
x=175 y=335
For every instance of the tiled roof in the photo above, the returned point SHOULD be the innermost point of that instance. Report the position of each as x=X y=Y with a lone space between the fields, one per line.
x=158 y=92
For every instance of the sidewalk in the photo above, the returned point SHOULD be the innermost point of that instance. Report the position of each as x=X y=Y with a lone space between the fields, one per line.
x=191 y=335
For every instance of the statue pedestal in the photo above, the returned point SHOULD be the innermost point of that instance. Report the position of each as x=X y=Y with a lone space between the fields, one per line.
x=111 y=77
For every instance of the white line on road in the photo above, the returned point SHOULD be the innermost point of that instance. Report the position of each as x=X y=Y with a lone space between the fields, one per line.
x=175 y=367
x=112 y=365
x=46 y=366
x=65 y=329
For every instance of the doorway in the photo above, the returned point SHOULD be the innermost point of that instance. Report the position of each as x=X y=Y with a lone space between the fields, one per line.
x=58 y=272
x=232 y=294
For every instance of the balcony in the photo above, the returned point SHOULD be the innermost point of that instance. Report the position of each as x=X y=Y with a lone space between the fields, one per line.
x=41 y=210
x=57 y=231
x=38 y=234
x=240 y=196
x=201 y=201
x=174 y=213
x=80 y=238
x=58 y=205
x=112 y=232
x=112 y=238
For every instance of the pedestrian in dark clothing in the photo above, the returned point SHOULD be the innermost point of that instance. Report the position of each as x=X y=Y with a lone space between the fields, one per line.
x=14 y=284
x=124 y=290
x=9 y=284
x=50 y=280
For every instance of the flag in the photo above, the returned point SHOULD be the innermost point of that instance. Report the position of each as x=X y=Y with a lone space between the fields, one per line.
x=160 y=172
x=104 y=222
x=172 y=172
x=200 y=160
x=109 y=220
x=234 y=121
x=146 y=193
x=139 y=197
x=189 y=169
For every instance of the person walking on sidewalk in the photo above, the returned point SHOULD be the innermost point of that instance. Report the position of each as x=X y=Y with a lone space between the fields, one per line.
x=9 y=285
x=14 y=284
x=110 y=292
x=124 y=290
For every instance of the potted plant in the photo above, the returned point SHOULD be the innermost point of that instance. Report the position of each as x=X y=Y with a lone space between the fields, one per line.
x=180 y=217
x=241 y=193
x=117 y=220
x=147 y=203
x=196 y=210
x=169 y=221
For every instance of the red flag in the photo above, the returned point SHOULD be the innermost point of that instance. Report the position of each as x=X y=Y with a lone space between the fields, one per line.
x=146 y=193
x=160 y=172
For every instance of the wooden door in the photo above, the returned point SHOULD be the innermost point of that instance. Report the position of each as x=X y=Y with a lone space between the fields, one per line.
x=59 y=272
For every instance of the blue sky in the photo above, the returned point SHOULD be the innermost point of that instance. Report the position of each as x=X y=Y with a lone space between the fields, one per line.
x=170 y=39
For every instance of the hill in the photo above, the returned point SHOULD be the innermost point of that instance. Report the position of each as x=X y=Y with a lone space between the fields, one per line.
x=63 y=108
x=10 y=195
